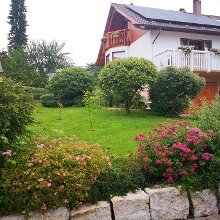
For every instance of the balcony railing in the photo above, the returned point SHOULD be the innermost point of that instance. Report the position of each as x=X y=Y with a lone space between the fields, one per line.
x=116 y=38
x=196 y=60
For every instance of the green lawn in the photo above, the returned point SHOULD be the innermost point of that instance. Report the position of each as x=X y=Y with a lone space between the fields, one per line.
x=113 y=129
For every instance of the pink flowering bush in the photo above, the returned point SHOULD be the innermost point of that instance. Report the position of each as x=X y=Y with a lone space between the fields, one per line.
x=59 y=172
x=175 y=152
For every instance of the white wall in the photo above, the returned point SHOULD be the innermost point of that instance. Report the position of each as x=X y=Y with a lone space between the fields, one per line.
x=171 y=40
x=166 y=40
x=141 y=47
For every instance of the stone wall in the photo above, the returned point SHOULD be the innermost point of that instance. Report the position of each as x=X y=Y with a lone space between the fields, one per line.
x=153 y=204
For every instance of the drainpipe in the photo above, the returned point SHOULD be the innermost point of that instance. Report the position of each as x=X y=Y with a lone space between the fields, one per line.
x=153 y=44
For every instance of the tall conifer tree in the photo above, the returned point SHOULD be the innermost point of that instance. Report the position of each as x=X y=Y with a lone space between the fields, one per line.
x=17 y=19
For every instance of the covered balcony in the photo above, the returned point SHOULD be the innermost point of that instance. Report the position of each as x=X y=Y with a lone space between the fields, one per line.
x=196 y=60
x=115 y=39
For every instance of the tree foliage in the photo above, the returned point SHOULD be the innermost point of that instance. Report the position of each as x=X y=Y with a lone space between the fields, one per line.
x=70 y=84
x=93 y=69
x=16 y=108
x=15 y=65
x=17 y=19
x=33 y=64
x=173 y=90
x=125 y=77
x=46 y=58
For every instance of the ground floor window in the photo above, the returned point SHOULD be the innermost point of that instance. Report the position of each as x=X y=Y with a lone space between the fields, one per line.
x=118 y=55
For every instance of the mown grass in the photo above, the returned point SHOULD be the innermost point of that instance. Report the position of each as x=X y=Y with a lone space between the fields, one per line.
x=112 y=129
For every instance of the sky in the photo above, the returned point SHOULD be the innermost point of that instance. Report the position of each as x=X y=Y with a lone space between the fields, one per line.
x=80 y=23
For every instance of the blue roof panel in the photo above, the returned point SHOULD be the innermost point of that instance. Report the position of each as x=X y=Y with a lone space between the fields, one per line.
x=173 y=16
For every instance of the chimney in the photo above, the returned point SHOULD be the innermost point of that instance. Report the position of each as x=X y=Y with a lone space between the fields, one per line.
x=197 y=7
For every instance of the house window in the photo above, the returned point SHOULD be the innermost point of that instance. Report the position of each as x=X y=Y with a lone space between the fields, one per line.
x=118 y=55
x=199 y=44
x=107 y=59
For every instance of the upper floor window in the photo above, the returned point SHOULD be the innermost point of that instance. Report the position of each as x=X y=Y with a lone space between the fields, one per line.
x=118 y=55
x=199 y=44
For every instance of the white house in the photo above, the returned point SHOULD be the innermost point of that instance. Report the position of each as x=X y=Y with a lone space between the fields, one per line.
x=158 y=34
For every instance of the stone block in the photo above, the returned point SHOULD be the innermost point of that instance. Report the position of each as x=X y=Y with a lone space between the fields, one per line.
x=57 y=214
x=168 y=203
x=92 y=212
x=204 y=203
x=133 y=206
x=12 y=217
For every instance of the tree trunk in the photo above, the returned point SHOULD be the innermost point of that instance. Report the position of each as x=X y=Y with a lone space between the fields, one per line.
x=127 y=105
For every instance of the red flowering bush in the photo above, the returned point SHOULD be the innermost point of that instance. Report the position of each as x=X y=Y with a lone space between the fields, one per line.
x=59 y=172
x=174 y=151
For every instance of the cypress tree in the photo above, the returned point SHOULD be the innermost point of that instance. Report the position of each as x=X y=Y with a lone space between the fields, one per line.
x=17 y=19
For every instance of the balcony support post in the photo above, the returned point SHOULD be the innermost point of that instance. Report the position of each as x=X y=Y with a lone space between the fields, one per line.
x=209 y=62
x=191 y=60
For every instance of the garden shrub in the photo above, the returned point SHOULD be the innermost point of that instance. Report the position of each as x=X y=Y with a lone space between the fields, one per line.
x=124 y=77
x=173 y=90
x=16 y=108
x=37 y=92
x=122 y=177
x=138 y=102
x=208 y=116
x=59 y=172
x=174 y=152
x=69 y=85
x=49 y=100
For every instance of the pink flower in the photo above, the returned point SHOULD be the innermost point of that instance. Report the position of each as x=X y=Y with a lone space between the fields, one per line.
x=196 y=130
x=156 y=144
x=170 y=180
x=159 y=162
x=184 y=173
x=139 y=148
x=207 y=156
x=169 y=170
x=49 y=184
x=40 y=180
x=140 y=137
x=182 y=147
x=145 y=159
x=205 y=145
x=169 y=163
x=193 y=158
x=192 y=170
x=30 y=164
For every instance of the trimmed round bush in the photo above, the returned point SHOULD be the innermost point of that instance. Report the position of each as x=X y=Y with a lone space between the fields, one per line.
x=16 y=108
x=70 y=84
x=59 y=172
x=123 y=78
x=49 y=100
x=173 y=90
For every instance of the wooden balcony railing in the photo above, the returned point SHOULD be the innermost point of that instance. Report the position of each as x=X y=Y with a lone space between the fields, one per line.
x=196 y=60
x=116 y=38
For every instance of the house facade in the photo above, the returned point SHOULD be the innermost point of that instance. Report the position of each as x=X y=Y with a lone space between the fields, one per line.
x=161 y=35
